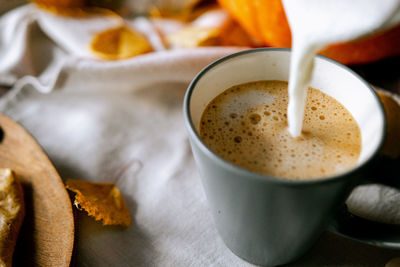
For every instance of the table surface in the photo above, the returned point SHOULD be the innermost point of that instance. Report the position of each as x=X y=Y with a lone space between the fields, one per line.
x=332 y=250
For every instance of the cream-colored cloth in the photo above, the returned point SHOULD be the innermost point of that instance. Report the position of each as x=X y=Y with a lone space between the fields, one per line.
x=118 y=121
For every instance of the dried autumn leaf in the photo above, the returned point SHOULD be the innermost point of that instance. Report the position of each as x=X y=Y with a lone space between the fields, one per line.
x=192 y=36
x=103 y=201
x=391 y=104
x=119 y=43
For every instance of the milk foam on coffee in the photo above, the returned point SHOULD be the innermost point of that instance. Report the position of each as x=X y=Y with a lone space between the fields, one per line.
x=317 y=23
x=247 y=125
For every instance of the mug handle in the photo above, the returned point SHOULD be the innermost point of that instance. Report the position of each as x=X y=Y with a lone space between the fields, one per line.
x=385 y=171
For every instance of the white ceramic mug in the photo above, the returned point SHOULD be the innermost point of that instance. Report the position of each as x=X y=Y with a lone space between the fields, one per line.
x=267 y=220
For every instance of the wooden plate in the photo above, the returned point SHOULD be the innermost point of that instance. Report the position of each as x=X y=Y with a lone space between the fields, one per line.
x=47 y=234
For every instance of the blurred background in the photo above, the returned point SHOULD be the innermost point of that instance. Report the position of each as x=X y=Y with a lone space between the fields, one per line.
x=244 y=24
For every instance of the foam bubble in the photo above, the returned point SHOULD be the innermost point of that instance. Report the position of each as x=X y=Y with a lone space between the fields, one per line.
x=255 y=118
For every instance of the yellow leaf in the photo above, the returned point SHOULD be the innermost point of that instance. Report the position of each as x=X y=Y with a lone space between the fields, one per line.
x=103 y=201
x=119 y=43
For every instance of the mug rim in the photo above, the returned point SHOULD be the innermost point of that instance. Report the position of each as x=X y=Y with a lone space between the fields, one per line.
x=264 y=177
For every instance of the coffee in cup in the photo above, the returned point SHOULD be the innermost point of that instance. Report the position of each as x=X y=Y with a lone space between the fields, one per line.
x=247 y=126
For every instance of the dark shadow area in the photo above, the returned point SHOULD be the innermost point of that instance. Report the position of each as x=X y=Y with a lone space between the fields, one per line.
x=24 y=253
x=40 y=48
x=8 y=5
x=1 y=134
x=76 y=227
x=383 y=73
x=367 y=231
x=333 y=250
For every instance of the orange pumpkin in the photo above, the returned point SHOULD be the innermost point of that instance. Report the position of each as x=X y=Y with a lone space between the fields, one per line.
x=266 y=21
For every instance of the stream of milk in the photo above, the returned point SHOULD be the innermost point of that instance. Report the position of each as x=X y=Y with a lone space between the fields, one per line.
x=317 y=23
